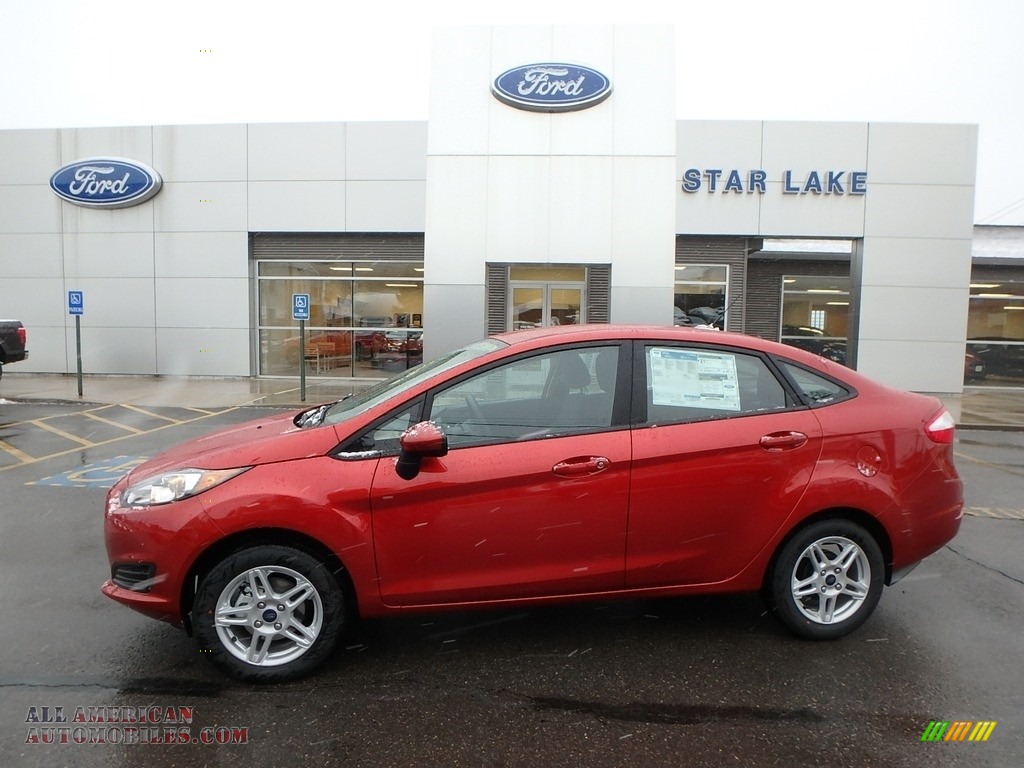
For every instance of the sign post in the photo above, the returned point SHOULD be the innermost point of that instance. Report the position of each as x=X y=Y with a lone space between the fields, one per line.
x=76 y=307
x=300 y=312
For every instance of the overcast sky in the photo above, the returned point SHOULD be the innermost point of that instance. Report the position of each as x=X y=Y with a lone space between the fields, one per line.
x=69 y=63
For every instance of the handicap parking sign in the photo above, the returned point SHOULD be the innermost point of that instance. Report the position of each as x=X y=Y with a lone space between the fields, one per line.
x=76 y=302
x=300 y=306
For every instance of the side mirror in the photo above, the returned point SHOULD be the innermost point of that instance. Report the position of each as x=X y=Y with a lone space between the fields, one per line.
x=419 y=441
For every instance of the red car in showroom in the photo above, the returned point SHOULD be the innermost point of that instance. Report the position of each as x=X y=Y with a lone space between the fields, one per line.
x=555 y=464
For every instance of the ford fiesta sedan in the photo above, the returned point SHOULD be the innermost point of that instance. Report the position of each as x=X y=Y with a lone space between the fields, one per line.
x=554 y=464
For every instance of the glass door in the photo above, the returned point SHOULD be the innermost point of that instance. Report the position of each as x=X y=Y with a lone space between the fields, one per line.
x=527 y=307
x=541 y=304
x=565 y=305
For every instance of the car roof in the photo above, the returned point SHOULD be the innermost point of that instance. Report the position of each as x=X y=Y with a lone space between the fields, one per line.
x=606 y=331
x=570 y=334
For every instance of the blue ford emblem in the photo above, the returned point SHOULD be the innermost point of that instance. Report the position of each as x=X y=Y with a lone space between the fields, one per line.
x=105 y=182
x=551 y=87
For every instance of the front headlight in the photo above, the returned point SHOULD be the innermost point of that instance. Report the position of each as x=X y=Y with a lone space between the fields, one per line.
x=172 y=486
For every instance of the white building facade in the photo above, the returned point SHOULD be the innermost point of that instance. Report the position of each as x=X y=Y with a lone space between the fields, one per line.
x=854 y=239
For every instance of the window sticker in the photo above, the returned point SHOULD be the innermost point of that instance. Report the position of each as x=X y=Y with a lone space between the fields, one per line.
x=694 y=379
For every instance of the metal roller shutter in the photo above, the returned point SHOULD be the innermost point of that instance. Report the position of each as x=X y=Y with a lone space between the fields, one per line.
x=340 y=246
x=599 y=293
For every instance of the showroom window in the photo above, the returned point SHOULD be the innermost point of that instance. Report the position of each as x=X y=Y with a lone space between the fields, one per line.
x=366 y=317
x=816 y=314
x=701 y=294
x=995 y=334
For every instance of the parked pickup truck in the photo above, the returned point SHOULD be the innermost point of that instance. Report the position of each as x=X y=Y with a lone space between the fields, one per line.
x=12 y=343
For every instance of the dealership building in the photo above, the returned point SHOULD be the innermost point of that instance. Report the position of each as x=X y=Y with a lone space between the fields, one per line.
x=552 y=183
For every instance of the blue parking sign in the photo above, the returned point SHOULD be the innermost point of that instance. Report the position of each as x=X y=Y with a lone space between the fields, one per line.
x=76 y=302
x=300 y=306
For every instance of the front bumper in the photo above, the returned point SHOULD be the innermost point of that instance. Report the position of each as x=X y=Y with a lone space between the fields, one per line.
x=151 y=551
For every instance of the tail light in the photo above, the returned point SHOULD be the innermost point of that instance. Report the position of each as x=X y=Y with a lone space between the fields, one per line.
x=22 y=336
x=940 y=429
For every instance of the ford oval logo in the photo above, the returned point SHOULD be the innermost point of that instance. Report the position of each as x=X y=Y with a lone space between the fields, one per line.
x=551 y=87
x=106 y=182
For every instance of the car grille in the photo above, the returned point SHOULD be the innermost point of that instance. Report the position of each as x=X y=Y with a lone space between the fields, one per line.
x=137 y=577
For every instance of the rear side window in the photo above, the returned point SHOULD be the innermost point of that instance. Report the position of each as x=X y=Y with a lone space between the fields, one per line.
x=817 y=389
x=695 y=384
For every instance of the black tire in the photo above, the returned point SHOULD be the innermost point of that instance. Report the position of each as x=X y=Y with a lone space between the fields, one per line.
x=830 y=601
x=285 y=632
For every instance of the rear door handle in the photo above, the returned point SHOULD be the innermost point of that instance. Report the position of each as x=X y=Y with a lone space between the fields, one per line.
x=783 y=441
x=581 y=466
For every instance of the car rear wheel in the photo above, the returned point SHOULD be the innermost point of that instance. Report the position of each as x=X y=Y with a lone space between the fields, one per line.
x=827 y=579
x=268 y=614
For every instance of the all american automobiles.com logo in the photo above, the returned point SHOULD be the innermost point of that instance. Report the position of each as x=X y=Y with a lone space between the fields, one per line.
x=125 y=725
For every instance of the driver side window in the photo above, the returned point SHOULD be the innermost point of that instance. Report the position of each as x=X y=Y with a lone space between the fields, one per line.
x=557 y=393
x=381 y=439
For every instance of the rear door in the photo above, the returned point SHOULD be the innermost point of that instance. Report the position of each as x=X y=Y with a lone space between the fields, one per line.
x=721 y=455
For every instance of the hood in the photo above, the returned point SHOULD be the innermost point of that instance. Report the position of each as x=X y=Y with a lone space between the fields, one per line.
x=261 y=441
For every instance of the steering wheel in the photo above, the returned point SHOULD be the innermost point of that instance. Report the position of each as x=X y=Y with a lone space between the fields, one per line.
x=480 y=426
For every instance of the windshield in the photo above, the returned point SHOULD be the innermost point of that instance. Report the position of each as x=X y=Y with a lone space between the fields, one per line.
x=361 y=401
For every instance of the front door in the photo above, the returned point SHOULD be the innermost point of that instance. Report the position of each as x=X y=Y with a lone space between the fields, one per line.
x=531 y=499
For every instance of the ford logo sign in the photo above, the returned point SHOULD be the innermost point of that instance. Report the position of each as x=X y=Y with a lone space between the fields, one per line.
x=106 y=182
x=551 y=87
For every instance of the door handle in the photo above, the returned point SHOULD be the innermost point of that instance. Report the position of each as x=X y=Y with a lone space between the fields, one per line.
x=581 y=466
x=783 y=441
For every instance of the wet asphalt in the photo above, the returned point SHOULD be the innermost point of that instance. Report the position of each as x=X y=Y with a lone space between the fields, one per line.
x=690 y=682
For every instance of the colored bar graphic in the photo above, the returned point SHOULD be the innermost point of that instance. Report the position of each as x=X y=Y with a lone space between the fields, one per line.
x=982 y=730
x=958 y=730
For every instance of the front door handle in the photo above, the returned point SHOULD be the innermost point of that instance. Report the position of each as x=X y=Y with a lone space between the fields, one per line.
x=783 y=441
x=581 y=466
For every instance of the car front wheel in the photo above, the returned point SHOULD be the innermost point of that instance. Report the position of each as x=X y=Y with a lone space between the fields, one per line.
x=268 y=614
x=827 y=579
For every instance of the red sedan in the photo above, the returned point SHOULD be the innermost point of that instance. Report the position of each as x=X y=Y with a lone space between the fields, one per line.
x=556 y=464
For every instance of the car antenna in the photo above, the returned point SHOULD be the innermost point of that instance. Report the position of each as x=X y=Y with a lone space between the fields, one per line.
x=718 y=317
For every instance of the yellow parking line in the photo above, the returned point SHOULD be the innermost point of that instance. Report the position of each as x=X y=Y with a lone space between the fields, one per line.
x=999 y=513
x=91 y=415
x=14 y=423
x=67 y=435
x=19 y=455
x=150 y=413
x=33 y=460
x=168 y=418
x=982 y=462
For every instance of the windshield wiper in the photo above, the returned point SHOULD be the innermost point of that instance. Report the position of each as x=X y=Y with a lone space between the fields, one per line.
x=312 y=417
